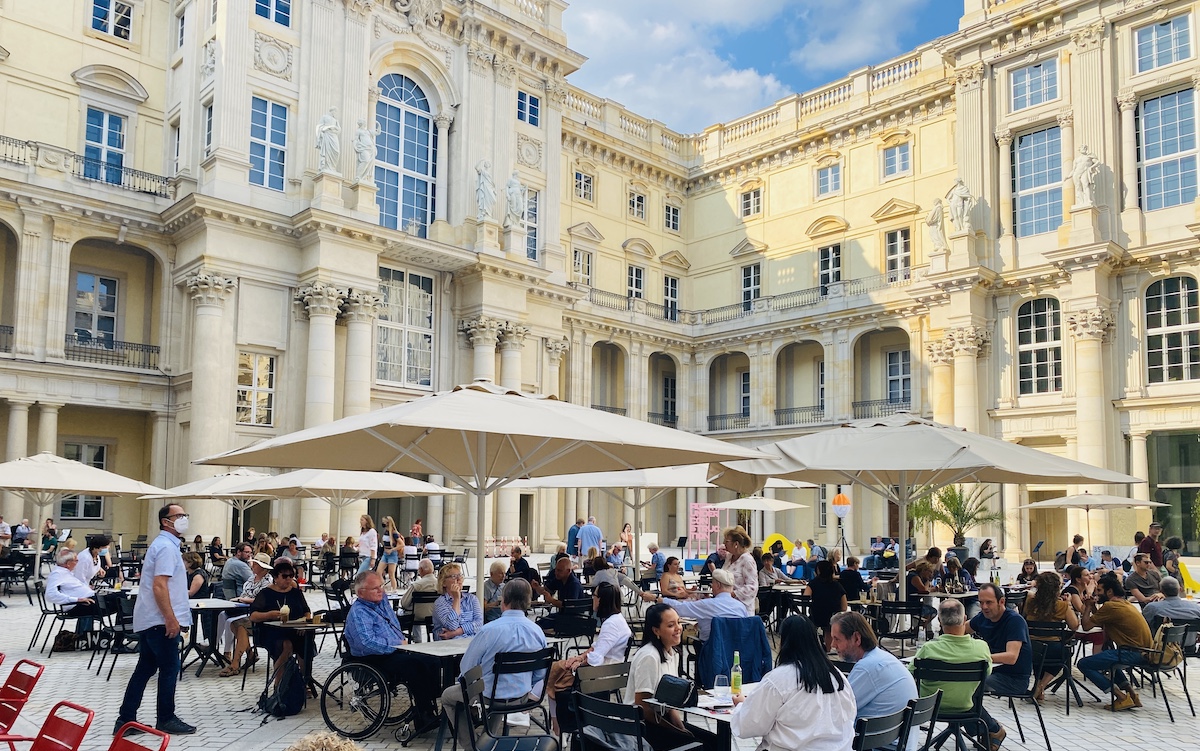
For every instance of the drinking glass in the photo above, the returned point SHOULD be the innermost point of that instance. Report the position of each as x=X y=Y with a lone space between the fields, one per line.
x=721 y=687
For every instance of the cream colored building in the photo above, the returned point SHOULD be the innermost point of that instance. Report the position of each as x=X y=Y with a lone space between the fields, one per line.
x=189 y=266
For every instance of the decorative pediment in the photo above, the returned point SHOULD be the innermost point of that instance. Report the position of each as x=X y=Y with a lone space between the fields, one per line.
x=112 y=81
x=639 y=246
x=676 y=259
x=828 y=158
x=748 y=247
x=894 y=209
x=827 y=225
x=752 y=183
x=585 y=231
x=895 y=137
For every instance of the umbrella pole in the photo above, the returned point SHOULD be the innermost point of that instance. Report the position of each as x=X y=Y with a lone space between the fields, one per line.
x=636 y=554
x=903 y=503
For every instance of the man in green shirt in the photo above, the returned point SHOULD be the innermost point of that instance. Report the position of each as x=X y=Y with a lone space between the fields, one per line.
x=956 y=647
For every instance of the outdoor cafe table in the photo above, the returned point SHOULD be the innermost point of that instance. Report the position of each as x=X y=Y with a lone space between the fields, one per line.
x=308 y=630
x=705 y=710
x=200 y=607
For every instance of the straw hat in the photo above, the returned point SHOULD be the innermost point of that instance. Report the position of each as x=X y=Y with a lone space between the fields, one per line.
x=263 y=560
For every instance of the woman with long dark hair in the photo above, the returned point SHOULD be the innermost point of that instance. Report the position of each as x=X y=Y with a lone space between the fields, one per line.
x=658 y=657
x=828 y=597
x=1046 y=606
x=804 y=703
x=1028 y=573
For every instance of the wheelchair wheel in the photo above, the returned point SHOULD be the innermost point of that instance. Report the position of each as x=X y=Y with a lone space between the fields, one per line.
x=401 y=705
x=355 y=701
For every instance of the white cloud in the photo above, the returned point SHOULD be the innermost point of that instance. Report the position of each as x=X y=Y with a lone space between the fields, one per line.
x=839 y=37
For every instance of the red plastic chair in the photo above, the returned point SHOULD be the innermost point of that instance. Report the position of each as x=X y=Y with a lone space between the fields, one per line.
x=143 y=742
x=63 y=729
x=15 y=692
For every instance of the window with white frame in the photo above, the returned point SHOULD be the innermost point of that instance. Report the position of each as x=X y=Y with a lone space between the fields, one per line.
x=279 y=11
x=751 y=285
x=671 y=298
x=180 y=28
x=671 y=217
x=1039 y=347
x=175 y=147
x=112 y=17
x=1173 y=330
x=1034 y=84
x=669 y=390
x=256 y=389
x=208 y=128
x=582 y=267
x=829 y=266
x=822 y=506
x=744 y=392
x=104 y=146
x=752 y=202
x=819 y=379
x=1037 y=182
x=585 y=186
x=899 y=376
x=268 y=142
x=404 y=329
x=1167 y=149
x=406 y=156
x=637 y=205
x=532 y=198
x=84 y=506
x=897 y=160
x=213 y=9
x=1160 y=44
x=95 y=309
x=829 y=180
x=529 y=108
x=898 y=255
x=636 y=282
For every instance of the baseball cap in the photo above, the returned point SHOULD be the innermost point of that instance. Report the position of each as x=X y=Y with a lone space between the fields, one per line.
x=951 y=554
x=723 y=576
x=1156 y=524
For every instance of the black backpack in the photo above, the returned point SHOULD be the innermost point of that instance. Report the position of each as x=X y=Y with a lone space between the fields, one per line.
x=288 y=697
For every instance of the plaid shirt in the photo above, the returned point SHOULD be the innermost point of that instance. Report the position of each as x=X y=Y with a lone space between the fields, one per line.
x=372 y=628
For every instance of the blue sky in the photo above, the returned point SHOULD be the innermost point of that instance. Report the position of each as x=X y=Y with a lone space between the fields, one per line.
x=693 y=63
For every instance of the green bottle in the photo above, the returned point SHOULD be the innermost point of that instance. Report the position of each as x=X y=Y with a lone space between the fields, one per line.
x=735 y=675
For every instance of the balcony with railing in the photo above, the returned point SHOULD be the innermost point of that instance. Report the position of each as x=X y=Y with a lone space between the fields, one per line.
x=102 y=351
x=51 y=160
x=122 y=177
x=880 y=408
x=800 y=415
x=669 y=419
x=14 y=151
x=613 y=410
x=6 y=338
x=737 y=421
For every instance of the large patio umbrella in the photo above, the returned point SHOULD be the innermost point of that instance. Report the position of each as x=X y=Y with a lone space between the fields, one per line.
x=758 y=503
x=45 y=479
x=217 y=487
x=903 y=457
x=483 y=436
x=1089 y=501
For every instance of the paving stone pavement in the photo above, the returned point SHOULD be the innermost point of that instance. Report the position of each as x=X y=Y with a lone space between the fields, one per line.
x=215 y=705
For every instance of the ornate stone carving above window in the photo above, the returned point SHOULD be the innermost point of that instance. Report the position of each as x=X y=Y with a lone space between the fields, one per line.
x=529 y=151
x=893 y=209
x=105 y=79
x=676 y=259
x=639 y=246
x=272 y=56
x=827 y=225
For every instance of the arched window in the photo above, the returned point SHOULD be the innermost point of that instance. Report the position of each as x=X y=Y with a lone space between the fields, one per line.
x=1173 y=330
x=405 y=155
x=1039 y=347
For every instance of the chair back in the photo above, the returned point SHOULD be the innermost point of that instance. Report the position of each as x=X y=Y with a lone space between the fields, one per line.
x=1049 y=640
x=537 y=664
x=147 y=738
x=64 y=728
x=603 y=680
x=16 y=690
x=922 y=711
x=894 y=610
x=880 y=732
x=471 y=683
x=746 y=635
x=934 y=675
x=422 y=603
x=609 y=718
x=1015 y=601
x=1191 y=647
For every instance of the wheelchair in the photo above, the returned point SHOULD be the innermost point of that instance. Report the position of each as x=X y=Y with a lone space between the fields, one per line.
x=357 y=701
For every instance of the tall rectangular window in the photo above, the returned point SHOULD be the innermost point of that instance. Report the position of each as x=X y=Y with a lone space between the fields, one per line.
x=1167 y=149
x=256 y=389
x=1034 y=84
x=829 y=180
x=751 y=285
x=637 y=205
x=752 y=202
x=208 y=128
x=1163 y=43
x=636 y=282
x=585 y=186
x=582 y=267
x=820 y=381
x=899 y=376
x=213 y=9
x=84 y=506
x=668 y=398
x=180 y=29
x=671 y=298
x=279 y=11
x=899 y=255
x=1039 y=347
x=744 y=392
x=671 y=217
x=896 y=160
x=531 y=224
x=104 y=146
x=829 y=266
x=529 y=108
x=822 y=506
x=404 y=330
x=95 y=309
x=268 y=142
x=1037 y=182
x=112 y=17
x=175 y=147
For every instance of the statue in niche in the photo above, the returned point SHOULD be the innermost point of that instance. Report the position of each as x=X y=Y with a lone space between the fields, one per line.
x=364 y=152
x=514 y=191
x=329 y=142
x=936 y=223
x=1084 y=171
x=961 y=202
x=485 y=190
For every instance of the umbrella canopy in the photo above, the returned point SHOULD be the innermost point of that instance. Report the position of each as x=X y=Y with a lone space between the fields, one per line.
x=483 y=436
x=1089 y=501
x=217 y=487
x=904 y=457
x=758 y=503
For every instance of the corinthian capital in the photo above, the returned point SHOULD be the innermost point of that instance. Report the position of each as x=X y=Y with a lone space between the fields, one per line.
x=1093 y=323
x=512 y=335
x=481 y=330
x=207 y=288
x=555 y=350
x=969 y=340
x=941 y=351
x=360 y=307
x=321 y=299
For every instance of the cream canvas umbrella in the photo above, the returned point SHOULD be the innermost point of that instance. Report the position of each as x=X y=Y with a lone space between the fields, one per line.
x=758 y=503
x=1089 y=501
x=217 y=487
x=903 y=457
x=483 y=436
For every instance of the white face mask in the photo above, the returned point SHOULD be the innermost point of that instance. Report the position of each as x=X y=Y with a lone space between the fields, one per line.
x=103 y=552
x=181 y=525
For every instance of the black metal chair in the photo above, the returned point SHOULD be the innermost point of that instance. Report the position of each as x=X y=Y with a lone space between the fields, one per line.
x=420 y=599
x=518 y=663
x=575 y=621
x=893 y=613
x=938 y=671
x=1155 y=665
x=603 y=681
x=606 y=718
x=472 y=687
x=1043 y=652
x=1058 y=657
x=880 y=732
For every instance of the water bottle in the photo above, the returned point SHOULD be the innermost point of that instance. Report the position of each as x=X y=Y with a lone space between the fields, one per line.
x=735 y=675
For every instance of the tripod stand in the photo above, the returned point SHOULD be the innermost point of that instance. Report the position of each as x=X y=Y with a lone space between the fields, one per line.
x=841 y=543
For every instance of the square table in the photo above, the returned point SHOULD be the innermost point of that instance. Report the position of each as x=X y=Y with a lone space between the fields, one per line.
x=722 y=717
x=199 y=607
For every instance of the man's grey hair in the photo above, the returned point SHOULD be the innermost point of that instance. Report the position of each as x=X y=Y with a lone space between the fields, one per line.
x=951 y=613
x=425 y=567
x=1169 y=586
x=64 y=556
x=591 y=520
x=361 y=579
x=498 y=566
x=517 y=595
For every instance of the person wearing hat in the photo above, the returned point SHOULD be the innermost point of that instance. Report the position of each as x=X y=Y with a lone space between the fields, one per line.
x=721 y=605
x=283 y=600
x=237 y=628
x=1151 y=546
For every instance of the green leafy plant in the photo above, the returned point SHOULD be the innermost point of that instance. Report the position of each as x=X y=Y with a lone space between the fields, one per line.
x=957 y=508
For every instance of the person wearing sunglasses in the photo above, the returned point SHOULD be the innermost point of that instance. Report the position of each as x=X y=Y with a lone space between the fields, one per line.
x=268 y=608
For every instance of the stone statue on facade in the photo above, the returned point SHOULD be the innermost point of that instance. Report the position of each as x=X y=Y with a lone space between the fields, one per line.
x=329 y=142
x=364 y=152
x=1084 y=171
x=936 y=223
x=485 y=190
x=961 y=202
x=514 y=191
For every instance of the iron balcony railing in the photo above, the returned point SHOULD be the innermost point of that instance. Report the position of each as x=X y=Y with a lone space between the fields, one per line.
x=728 y=422
x=112 y=352
x=12 y=150
x=6 y=338
x=605 y=408
x=669 y=419
x=121 y=176
x=800 y=415
x=881 y=407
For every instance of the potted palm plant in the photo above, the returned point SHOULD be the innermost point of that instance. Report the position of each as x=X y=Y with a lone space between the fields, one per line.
x=957 y=508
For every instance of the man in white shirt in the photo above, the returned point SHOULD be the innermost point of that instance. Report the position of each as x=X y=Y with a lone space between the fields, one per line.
x=64 y=590
x=5 y=534
x=21 y=533
x=720 y=605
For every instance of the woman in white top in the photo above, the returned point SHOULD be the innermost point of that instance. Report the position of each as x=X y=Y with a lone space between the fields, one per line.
x=368 y=543
x=740 y=563
x=607 y=648
x=657 y=657
x=804 y=703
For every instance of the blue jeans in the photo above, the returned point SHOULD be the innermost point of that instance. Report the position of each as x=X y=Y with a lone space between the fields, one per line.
x=1093 y=667
x=364 y=563
x=156 y=654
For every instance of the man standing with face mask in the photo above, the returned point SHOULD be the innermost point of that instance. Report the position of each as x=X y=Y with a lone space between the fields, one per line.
x=159 y=616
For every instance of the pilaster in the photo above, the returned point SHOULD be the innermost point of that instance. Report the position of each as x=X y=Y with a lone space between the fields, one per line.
x=968 y=343
x=512 y=344
x=554 y=354
x=359 y=310
x=322 y=302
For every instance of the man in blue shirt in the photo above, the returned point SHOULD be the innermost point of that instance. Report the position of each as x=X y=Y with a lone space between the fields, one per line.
x=590 y=536
x=573 y=538
x=720 y=605
x=374 y=637
x=882 y=685
x=511 y=632
x=657 y=562
x=563 y=585
x=1007 y=637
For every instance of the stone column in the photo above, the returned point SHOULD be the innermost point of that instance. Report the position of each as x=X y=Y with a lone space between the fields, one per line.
x=47 y=439
x=359 y=311
x=512 y=343
x=1012 y=546
x=58 y=292
x=554 y=354
x=941 y=356
x=1008 y=243
x=434 y=513
x=16 y=448
x=1090 y=328
x=31 y=301
x=483 y=333
x=322 y=302
x=1127 y=103
x=1066 y=142
x=1139 y=464
x=442 y=123
x=968 y=342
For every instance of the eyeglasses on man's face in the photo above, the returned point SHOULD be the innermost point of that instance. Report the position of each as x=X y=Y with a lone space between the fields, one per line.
x=173 y=517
